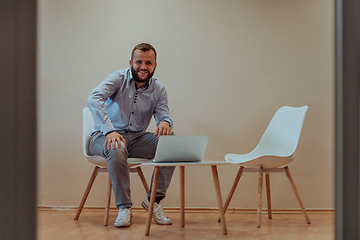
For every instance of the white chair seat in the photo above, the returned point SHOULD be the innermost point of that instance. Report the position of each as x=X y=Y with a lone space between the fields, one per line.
x=256 y=161
x=97 y=160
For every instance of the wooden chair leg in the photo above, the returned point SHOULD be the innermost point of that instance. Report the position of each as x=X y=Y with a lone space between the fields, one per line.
x=286 y=169
x=143 y=180
x=107 y=208
x=219 y=198
x=232 y=190
x=261 y=172
x=268 y=194
x=87 y=191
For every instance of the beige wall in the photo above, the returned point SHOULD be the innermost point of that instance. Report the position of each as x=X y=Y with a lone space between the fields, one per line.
x=227 y=65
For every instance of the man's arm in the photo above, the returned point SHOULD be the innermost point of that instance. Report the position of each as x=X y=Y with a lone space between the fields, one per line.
x=96 y=103
x=162 y=116
x=97 y=99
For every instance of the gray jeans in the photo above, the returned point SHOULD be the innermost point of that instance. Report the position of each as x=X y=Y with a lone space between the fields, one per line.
x=138 y=145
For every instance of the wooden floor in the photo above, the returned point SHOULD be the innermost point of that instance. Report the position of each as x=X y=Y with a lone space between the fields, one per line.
x=290 y=226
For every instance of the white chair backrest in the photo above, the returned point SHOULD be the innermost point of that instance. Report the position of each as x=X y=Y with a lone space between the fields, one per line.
x=88 y=125
x=282 y=135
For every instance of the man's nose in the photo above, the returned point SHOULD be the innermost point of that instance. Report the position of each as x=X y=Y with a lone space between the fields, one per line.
x=143 y=66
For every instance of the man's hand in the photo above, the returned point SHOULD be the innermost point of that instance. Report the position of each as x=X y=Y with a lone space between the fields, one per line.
x=113 y=138
x=163 y=129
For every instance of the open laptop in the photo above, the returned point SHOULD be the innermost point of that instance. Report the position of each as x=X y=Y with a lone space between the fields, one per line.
x=174 y=148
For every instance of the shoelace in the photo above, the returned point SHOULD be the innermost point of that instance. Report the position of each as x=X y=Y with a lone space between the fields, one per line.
x=159 y=212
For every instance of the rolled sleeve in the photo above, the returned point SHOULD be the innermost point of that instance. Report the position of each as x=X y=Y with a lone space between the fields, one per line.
x=162 y=112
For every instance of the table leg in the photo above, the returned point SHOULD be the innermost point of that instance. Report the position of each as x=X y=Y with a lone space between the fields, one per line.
x=152 y=200
x=182 y=196
x=219 y=199
x=232 y=190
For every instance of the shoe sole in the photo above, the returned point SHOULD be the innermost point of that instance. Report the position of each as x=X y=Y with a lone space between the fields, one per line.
x=147 y=209
x=122 y=225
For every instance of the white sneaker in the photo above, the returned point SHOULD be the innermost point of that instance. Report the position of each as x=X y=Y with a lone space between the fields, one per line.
x=123 y=218
x=158 y=212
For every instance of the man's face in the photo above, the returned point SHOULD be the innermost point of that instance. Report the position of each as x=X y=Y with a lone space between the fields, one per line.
x=143 y=65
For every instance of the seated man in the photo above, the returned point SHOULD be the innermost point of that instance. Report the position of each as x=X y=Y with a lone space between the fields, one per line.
x=122 y=107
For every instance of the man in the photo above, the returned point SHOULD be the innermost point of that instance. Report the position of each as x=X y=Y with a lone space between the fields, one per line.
x=122 y=107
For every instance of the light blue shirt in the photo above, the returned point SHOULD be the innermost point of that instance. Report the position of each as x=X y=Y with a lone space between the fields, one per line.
x=116 y=104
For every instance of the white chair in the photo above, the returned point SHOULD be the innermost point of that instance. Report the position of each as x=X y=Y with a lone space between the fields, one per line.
x=275 y=149
x=133 y=163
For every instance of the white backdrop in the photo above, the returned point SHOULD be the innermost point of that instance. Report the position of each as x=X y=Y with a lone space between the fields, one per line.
x=227 y=65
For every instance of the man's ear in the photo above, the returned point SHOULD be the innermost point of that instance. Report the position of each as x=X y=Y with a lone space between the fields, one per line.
x=130 y=63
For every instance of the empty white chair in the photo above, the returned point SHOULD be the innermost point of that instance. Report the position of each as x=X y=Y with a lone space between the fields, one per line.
x=100 y=162
x=275 y=150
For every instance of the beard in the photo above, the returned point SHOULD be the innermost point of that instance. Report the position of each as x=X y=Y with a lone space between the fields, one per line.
x=138 y=79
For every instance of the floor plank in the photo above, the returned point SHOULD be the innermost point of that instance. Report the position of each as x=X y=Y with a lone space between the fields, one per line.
x=290 y=226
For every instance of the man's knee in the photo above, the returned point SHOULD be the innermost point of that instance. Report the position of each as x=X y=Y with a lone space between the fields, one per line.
x=117 y=154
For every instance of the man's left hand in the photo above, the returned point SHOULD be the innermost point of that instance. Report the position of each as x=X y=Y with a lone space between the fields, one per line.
x=163 y=129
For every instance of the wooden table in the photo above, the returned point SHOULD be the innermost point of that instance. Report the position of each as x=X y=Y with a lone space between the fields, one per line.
x=213 y=165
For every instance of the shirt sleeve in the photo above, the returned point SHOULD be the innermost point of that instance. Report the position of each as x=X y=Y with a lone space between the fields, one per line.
x=98 y=98
x=161 y=112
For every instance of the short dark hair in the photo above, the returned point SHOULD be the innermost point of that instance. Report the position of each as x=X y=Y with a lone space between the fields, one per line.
x=143 y=47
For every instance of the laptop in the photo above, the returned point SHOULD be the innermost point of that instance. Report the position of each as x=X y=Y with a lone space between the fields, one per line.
x=174 y=148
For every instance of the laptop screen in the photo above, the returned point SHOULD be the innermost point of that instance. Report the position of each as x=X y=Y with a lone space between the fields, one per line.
x=174 y=148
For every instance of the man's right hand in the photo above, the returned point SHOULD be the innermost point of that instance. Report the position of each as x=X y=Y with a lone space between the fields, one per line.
x=113 y=138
